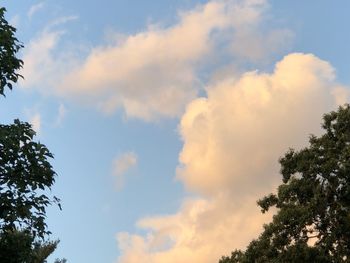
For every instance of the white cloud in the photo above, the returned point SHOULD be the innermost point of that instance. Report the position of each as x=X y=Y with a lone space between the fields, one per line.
x=121 y=165
x=61 y=20
x=35 y=8
x=341 y=94
x=44 y=67
x=35 y=121
x=15 y=21
x=150 y=74
x=257 y=45
x=259 y=113
x=62 y=111
x=202 y=231
x=232 y=142
x=232 y=139
x=34 y=118
x=153 y=73
x=40 y=67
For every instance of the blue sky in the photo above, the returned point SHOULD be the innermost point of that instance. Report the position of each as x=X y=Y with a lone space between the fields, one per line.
x=167 y=118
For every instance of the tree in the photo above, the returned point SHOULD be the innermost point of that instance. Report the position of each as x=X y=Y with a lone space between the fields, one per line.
x=25 y=173
x=313 y=202
x=9 y=47
x=20 y=246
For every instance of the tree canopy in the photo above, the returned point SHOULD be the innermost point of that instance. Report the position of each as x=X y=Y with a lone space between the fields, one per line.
x=10 y=64
x=25 y=172
x=312 y=223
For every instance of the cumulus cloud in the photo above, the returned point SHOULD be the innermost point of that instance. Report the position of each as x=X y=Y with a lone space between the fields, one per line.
x=202 y=231
x=252 y=120
x=253 y=44
x=232 y=141
x=121 y=165
x=153 y=73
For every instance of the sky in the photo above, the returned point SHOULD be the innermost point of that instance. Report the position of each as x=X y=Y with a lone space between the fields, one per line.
x=167 y=118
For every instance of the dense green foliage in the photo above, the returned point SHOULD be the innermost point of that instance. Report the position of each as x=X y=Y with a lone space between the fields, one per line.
x=9 y=47
x=313 y=203
x=19 y=246
x=26 y=174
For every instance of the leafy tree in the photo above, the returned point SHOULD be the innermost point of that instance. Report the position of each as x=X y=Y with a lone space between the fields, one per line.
x=20 y=246
x=313 y=202
x=9 y=47
x=25 y=173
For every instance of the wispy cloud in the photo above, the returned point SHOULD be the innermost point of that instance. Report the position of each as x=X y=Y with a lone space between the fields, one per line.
x=35 y=8
x=42 y=68
x=35 y=121
x=33 y=116
x=121 y=165
x=15 y=21
x=60 y=21
x=61 y=113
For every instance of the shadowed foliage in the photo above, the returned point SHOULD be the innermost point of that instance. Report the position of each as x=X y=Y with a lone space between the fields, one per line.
x=313 y=202
x=9 y=47
x=25 y=173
